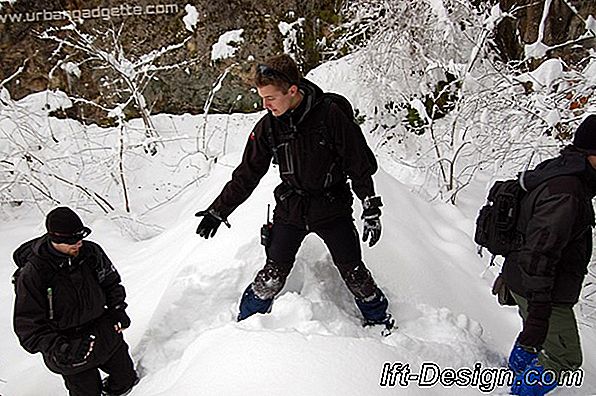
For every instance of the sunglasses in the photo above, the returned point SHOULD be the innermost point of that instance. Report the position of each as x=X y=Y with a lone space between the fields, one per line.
x=269 y=72
x=71 y=239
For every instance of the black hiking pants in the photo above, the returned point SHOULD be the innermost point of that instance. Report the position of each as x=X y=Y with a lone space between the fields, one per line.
x=119 y=367
x=341 y=238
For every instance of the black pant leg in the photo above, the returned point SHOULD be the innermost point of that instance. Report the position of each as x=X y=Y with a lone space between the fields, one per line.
x=86 y=383
x=281 y=253
x=120 y=368
x=342 y=240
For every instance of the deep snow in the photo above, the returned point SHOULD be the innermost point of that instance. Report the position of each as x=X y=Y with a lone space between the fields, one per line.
x=183 y=293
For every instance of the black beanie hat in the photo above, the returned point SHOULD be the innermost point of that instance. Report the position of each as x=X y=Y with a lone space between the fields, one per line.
x=585 y=136
x=64 y=221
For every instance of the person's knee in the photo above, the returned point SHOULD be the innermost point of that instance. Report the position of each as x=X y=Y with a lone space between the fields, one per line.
x=360 y=282
x=270 y=280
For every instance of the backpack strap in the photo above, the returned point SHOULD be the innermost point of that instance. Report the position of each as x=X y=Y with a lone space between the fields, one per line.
x=328 y=99
x=326 y=102
x=271 y=143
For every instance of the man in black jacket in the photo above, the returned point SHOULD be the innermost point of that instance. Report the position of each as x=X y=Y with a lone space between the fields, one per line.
x=317 y=147
x=70 y=307
x=546 y=273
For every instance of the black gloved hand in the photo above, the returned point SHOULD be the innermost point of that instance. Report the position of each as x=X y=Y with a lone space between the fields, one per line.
x=371 y=214
x=210 y=223
x=501 y=290
x=536 y=325
x=120 y=318
x=75 y=351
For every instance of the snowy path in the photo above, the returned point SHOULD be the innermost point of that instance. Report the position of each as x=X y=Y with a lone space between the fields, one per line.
x=183 y=295
x=314 y=324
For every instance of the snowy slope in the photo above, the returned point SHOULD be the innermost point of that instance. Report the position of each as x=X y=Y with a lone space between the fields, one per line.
x=184 y=291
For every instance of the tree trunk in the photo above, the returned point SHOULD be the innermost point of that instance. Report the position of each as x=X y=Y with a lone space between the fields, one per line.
x=562 y=28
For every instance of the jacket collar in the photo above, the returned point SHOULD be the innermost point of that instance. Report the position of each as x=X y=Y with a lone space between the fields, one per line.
x=312 y=96
x=45 y=252
x=570 y=162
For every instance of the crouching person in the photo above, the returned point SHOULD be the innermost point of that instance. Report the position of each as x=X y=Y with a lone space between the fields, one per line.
x=70 y=306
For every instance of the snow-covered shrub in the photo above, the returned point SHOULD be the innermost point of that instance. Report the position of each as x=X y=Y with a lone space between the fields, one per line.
x=46 y=161
x=446 y=107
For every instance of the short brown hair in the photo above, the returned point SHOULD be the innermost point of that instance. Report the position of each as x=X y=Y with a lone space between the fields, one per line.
x=279 y=70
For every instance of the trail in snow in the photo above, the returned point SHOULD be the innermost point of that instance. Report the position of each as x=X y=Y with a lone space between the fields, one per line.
x=183 y=294
x=201 y=301
x=184 y=291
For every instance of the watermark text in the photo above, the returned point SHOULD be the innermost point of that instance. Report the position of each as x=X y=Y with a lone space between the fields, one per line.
x=104 y=13
x=485 y=379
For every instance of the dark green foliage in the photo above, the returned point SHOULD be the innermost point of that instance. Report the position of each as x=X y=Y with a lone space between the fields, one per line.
x=443 y=100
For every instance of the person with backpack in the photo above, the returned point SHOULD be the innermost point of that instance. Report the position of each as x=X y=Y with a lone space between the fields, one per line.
x=70 y=306
x=317 y=145
x=545 y=272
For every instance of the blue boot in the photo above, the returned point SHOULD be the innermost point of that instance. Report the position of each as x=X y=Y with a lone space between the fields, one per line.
x=251 y=304
x=521 y=357
x=533 y=381
x=374 y=311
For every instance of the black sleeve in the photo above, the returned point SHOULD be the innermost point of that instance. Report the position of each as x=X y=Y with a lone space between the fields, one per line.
x=357 y=159
x=549 y=230
x=108 y=278
x=245 y=178
x=31 y=313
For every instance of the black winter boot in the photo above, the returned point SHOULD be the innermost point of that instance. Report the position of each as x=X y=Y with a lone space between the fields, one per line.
x=250 y=304
x=374 y=311
x=107 y=391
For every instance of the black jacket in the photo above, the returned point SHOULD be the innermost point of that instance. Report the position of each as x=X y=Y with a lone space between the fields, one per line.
x=318 y=147
x=83 y=288
x=556 y=218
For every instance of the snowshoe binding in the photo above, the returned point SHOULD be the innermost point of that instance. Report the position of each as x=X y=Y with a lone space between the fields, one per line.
x=388 y=322
x=107 y=391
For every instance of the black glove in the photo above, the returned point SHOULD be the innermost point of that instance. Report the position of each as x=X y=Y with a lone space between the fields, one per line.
x=210 y=223
x=501 y=290
x=120 y=318
x=74 y=352
x=536 y=325
x=371 y=214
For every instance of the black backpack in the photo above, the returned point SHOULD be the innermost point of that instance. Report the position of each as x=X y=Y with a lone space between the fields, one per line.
x=341 y=101
x=496 y=225
x=22 y=256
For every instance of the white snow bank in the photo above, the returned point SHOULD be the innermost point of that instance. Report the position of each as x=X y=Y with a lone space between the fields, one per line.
x=183 y=293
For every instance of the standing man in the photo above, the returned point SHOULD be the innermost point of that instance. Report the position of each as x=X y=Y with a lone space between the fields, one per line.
x=70 y=307
x=546 y=273
x=317 y=147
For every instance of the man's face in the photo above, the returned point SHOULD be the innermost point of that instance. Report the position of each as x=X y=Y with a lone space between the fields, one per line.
x=276 y=101
x=71 y=250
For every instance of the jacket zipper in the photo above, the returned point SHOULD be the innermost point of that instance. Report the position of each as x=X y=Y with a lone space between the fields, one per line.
x=51 y=303
x=75 y=288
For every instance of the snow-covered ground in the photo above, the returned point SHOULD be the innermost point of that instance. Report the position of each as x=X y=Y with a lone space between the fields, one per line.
x=183 y=293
